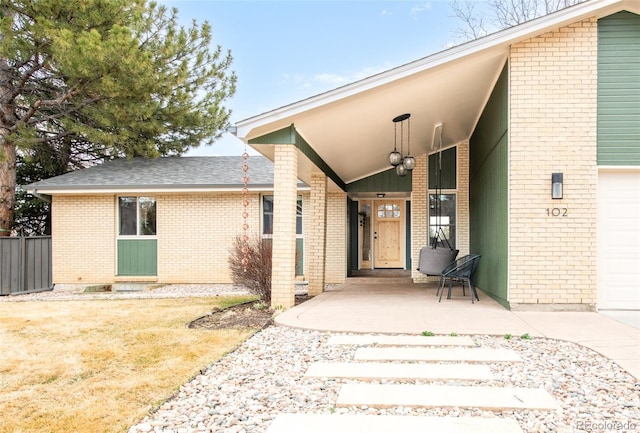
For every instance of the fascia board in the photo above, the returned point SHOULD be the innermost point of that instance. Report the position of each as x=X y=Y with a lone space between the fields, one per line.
x=150 y=190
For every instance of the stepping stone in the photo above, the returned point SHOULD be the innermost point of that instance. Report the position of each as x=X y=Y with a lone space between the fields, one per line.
x=436 y=354
x=374 y=370
x=485 y=397
x=316 y=423
x=401 y=340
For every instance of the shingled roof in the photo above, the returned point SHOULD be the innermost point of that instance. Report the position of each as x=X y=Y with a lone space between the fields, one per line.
x=206 y=172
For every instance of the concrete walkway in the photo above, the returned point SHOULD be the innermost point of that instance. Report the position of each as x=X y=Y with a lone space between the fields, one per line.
x=391 y=306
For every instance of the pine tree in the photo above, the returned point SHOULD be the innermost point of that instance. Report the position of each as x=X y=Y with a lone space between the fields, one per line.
x=89 y=80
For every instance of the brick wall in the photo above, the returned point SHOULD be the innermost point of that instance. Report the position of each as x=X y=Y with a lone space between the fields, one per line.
x=419 y=215
x=196 y=232
x=84 y=240
x=336 y=246
x=462 y=202
x=553 y=129
x=316 y=214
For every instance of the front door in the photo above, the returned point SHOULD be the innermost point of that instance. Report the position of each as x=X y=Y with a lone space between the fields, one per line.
x=388 y=233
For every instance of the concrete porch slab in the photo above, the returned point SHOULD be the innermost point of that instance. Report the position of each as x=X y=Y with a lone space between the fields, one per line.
x=316 y=423
x=400 y=340
x=436 y=354
x=399 y=371
x=485 y=397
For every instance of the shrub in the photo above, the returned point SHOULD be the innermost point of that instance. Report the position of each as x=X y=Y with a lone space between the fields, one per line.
x=255 y=272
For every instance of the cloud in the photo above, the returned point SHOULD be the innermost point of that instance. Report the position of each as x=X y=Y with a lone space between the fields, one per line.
x=385 y=13
x=417 y=10
x=331 y=79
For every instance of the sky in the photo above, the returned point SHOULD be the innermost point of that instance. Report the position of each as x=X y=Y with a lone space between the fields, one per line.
x=286 y=51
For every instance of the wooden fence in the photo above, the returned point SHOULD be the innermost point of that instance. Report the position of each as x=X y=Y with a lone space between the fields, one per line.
x=25 y=264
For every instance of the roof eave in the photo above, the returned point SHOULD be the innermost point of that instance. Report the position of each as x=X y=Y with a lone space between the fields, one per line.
x=148 y=189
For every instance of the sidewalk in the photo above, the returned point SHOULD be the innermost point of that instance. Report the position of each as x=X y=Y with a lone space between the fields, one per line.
x=370 y=306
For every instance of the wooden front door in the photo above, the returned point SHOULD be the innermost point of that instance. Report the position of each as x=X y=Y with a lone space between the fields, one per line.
x=389 y=233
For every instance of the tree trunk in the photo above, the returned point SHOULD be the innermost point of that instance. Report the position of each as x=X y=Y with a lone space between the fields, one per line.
x=7 y=153
x=7 y=183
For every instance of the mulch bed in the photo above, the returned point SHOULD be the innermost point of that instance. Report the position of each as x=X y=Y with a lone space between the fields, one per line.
x=239 y=316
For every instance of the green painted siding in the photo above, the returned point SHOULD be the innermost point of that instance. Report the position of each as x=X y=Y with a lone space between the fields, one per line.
x=407 y=244
x=488 y=193
x=448 y=173
x=386 y=181
x=619 y=89
x=352 y=257
x=138 y=257
x=299 y=256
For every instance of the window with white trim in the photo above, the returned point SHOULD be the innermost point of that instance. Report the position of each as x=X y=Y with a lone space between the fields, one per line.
x=136 y=216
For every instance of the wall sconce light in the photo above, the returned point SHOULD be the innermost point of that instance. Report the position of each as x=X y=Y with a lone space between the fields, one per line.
x=380 y=195
x=556 y=185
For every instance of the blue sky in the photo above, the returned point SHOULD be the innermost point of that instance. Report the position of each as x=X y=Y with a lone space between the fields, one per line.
x=285 y=51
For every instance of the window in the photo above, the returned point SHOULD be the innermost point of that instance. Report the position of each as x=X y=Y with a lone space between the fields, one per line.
x=442 y=220
x=442 y=185
x=388 y=210
x=137 y=216
x=267 y=215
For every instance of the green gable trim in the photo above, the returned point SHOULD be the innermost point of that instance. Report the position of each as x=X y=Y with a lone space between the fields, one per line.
x=619 y=89
x=386 y=181
x=308 y=151
x=289 y=135
x=282 y=136
x=448 y=174
x=137 y=257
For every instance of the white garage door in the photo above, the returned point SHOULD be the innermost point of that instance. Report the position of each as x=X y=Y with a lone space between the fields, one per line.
x=619 y=240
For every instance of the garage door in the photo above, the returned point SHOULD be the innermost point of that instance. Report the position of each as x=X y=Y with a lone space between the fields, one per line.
x=619 y=240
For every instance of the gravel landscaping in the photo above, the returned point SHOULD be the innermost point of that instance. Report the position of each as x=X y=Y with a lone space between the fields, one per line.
x=245 y=390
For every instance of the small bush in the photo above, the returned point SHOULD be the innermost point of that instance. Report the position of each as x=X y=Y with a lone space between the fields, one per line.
x=428 y=333
x=255 y=272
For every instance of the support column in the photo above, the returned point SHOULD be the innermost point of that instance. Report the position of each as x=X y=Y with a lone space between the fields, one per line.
x=316 y=239
x=283 y=271
x=419 y=215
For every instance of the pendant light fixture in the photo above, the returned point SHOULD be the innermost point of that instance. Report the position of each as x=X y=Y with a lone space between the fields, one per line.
x=403 y=164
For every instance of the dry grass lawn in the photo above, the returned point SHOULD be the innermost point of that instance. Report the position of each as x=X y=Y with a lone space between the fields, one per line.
x=100 y=366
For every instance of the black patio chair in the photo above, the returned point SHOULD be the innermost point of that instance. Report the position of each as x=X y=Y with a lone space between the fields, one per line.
x=460 y=271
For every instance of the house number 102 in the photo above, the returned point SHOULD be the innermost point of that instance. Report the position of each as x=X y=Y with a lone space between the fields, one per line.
x=557 y=211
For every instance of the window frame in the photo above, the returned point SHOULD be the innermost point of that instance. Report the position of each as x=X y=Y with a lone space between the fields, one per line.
x=138 y=214
x=452 y=161
x=299 y=217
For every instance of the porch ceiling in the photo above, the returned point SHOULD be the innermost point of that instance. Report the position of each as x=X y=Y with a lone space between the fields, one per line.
x=354 y=135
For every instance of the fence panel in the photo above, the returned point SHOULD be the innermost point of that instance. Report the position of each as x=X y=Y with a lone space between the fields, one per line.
x=25 y=264
x=10 y=264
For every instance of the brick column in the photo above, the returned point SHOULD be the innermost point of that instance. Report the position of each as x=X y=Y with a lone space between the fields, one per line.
x=336 y=249
x=284 y=226
x=315 y=239
x=419 y=215
x=462 y=205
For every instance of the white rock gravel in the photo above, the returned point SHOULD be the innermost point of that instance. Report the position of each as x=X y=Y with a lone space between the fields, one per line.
x=168 y=291
x=245 y=390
